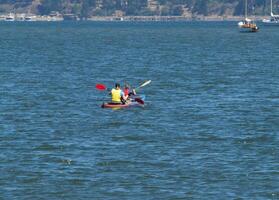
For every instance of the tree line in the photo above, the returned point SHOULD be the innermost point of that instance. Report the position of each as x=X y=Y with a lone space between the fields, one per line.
x=86 y=8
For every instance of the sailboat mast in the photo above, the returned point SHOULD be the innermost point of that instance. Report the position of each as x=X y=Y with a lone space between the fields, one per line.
x=246 y=9
x=271 y=7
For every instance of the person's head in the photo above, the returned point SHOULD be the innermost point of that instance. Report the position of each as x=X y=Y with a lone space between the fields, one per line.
x=117 y=85
x=126 y=86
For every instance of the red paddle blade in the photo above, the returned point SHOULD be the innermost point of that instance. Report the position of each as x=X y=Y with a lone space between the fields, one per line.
x=100 y=87
x=140 y=101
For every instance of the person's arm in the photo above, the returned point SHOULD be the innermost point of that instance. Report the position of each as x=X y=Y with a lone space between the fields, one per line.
x=123 y=96
x=133 y=92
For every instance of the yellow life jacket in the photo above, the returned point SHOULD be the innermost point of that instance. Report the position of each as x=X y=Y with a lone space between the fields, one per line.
x=116 y=96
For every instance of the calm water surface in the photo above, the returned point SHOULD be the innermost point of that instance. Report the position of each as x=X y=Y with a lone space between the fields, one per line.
x=209 y=129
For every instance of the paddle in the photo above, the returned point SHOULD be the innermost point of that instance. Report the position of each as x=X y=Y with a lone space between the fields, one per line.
x=144 y=84
x=140 y=101
x=101 y=87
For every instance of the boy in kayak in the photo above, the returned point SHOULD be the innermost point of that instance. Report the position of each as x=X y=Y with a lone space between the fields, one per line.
x=127 y=92
x=117 y=95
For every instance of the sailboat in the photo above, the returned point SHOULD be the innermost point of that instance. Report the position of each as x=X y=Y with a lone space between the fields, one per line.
x=10 y=17
x=247 y=25
x=274 y=19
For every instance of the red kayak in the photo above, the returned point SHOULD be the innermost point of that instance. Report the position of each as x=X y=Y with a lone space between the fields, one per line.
x=130 y=104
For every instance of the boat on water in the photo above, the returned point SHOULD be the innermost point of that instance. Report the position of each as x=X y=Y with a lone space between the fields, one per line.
x=134 y=100
x=137 y=101
x=247 y=25
x=10 y=17
x=274 y=19
x=30 y=17
x=118 y=106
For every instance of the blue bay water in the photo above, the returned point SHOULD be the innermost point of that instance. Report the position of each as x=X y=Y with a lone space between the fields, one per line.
x=209 y=129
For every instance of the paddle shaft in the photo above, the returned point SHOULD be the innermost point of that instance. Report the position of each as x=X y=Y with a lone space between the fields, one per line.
x=144 y=84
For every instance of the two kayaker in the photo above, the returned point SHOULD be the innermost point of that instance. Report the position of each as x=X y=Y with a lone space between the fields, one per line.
x=117 y=95
x=121 y=99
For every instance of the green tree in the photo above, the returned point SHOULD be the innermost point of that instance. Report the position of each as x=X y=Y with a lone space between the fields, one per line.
x=50 y=5
x=201 y=7
x=84 y=9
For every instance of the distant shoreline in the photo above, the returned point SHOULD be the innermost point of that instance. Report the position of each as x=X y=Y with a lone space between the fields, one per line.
x=26 y=17
x=174 y=18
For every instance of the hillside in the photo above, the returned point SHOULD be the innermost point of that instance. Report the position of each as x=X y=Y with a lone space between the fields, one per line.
x=87 y=8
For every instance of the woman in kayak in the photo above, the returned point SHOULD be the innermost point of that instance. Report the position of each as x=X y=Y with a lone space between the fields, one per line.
x=117 y=95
